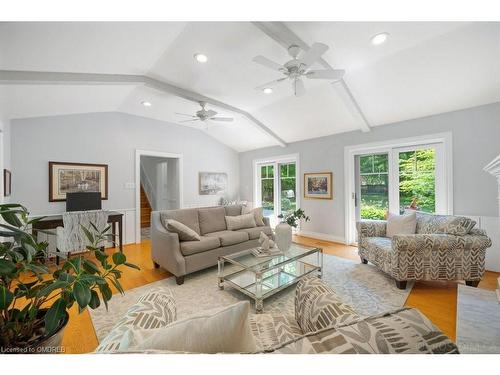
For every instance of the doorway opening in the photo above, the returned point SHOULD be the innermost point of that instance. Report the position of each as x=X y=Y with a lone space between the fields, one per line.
x=158 y=187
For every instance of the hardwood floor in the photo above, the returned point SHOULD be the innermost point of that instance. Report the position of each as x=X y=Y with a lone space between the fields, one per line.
x=437 y=300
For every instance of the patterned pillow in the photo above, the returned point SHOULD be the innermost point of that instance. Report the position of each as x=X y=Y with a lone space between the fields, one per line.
x=455 y=225
x=317 y=306
x=153 y=310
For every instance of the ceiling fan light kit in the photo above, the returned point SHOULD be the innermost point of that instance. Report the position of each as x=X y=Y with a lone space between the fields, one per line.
x=299 y=67
x=204 y=115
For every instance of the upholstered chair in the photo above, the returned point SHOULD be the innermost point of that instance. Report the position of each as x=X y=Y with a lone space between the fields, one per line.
x=443 y=248
x=71 y=238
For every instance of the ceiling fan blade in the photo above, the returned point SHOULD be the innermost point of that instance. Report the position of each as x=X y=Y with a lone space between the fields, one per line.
x=313 y=54
x=196 y=119
x=184 y=114
x=333 y=74
x=298 y=87
x=270 y=84
x=223 y=119
x=210 y=113
x=267 y=63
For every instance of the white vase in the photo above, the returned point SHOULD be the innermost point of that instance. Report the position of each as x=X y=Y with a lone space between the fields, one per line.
x=283 y=233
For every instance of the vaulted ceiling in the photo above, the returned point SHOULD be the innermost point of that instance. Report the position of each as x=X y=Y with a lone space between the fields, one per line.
x=424 y=68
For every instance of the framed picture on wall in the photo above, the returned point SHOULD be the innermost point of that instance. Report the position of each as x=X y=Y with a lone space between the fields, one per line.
x=212 y=183
x=7 y=183
x=318 y=185
x=74 y=177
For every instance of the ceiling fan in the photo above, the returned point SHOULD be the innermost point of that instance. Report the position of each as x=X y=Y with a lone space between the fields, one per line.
x=299 y=67
x=205 y=115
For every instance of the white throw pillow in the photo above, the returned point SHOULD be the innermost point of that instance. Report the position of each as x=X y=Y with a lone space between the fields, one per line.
x=224 y=331
x=240 y=222
x=257 y=213
x=185 y=233
x=401 y=224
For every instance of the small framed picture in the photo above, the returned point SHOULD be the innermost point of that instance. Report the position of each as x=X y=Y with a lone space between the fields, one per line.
x=74 y=177
x=7 y=183
x=318 y=185
x=211 y=183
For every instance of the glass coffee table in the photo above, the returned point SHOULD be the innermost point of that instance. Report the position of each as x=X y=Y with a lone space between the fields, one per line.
x=261 y=277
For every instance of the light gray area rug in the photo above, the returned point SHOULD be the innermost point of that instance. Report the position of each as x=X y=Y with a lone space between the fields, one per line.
x=368 y=290
x=478 y=321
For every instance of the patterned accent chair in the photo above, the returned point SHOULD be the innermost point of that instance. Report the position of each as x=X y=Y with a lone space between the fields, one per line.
x=443 y=248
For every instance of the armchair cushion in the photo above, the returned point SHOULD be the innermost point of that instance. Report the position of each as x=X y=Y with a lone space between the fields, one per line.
x=401 y=224
x=317 y=306
x=447 y=224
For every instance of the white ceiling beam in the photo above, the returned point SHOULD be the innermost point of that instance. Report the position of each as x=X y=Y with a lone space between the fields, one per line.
x=13 y=77
x=280 y=33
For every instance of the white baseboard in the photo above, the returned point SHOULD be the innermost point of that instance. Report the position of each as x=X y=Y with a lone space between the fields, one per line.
x=321 y=236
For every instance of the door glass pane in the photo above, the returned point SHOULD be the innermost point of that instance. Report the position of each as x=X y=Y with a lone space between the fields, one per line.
x=267 y=189
x=374 y=189
x=417 y=180
x=288 y=194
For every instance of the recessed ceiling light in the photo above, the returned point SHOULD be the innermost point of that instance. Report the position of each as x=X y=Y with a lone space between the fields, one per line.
x=379 y=39
x=200 y=57
x=268 y=90
x=146 y=104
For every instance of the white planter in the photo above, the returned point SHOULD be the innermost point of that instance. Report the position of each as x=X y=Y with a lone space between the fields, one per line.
x=283 y=233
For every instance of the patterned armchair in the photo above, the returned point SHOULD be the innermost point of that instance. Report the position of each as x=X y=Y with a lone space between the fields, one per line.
x=443 y=248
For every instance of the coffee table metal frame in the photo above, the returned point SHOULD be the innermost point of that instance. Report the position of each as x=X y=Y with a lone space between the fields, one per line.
x=270 y=274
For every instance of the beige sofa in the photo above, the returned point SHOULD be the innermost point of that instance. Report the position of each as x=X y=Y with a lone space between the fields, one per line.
x=184 y=257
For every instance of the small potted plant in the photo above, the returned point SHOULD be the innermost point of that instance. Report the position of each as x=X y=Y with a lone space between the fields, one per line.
x=284 y=228
x=35 y=299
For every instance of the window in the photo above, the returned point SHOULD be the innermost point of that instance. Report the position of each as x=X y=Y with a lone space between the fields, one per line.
x=276 y=187
x=374 y=186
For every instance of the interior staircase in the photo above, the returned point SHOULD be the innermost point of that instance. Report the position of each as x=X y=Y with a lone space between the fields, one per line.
x=145 y=210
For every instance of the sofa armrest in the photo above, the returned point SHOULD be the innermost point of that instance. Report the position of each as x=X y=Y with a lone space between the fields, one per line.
x=371 y=228
x=439 y=242
x=266 y=221
x=165 y=247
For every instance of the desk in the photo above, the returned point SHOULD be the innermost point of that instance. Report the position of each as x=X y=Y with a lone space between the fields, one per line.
x=52 y=222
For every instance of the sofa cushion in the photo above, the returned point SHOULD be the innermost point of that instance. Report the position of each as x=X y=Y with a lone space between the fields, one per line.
x=154 y=309
x=185 y=233
x=447 y=224
x=224 y=331
x=254 y=233
x=187 y=216
x=233 y=209
x=240 y=222
x=258 y=214
x=317 y=306
x=204 y=244
x=229 y=237
x=401 y=224
x=212 y=219
x=404 y=331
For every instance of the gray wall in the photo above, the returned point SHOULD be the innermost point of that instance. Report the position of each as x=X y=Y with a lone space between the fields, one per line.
x=5 y=155
x=110 y=138
x=476 y=141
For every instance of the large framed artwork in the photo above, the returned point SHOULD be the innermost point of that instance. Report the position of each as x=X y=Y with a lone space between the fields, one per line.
x=73 y=177
x=318 y=185
x=212 y=183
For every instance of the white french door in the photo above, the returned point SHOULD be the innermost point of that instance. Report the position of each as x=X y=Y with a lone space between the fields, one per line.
x=396 y=177
x=276 y=187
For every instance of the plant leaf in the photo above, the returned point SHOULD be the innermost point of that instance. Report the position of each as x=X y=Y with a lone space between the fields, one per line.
x=95 y=302
x=82 y=294
x=54 y=316
x=6 y=297
x=132 y=266
x=119 y=258
x=58 y=284
x=6 y=267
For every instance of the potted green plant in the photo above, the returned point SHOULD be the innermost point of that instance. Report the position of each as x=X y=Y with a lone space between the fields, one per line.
x=283 y=230
x=35 y=299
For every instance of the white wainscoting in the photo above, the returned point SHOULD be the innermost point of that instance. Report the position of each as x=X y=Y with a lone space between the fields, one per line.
x=321 y=236
x=128 y=228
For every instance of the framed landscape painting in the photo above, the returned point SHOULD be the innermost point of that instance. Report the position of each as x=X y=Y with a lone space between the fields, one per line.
x=318 y=185
x=212 y=183
x=74 y=177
